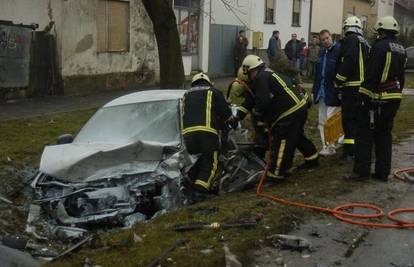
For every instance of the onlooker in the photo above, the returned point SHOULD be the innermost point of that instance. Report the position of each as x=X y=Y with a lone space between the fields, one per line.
x=313 y=52
x=302 y=55
x=292 y=50
x=240 y=50
x=324 y=90
x=274 y=46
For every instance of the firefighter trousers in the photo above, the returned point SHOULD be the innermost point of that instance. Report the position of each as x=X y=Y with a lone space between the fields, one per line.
x=203 y=172
x=374 y=128
x=287 y=135
x=349 y=103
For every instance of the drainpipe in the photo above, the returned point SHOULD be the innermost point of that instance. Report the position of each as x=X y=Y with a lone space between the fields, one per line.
x=310 y=22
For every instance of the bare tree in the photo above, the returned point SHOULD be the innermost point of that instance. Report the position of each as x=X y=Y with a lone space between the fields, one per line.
x=169 y=50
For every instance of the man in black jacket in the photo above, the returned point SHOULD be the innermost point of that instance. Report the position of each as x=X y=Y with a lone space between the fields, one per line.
x=350 y=75
x=293 y=49
x=205 y=112
x=284 y=109
x=380 y=99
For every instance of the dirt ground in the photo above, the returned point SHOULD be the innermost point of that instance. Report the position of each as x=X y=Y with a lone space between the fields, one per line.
x=335 y=243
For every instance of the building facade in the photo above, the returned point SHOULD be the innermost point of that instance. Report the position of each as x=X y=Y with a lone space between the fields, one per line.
x=208 y=29
x=327 y=15
x=368 y=11
x=404 y=13
x=101 y=44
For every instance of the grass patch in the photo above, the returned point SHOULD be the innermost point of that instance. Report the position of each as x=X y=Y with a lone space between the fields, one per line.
x=409 y=80
x=23 y=140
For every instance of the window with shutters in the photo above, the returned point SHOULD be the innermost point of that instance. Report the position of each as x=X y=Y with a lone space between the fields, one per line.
x=297 y=5
x=113 y=26
x=269 y=11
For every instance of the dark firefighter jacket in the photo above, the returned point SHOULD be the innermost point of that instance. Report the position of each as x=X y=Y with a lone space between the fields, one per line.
x=205 y=110
x=273 y=97
x=352 y=58
x=384 y=77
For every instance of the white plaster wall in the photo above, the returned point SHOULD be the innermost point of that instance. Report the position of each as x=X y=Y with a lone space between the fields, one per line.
x=80 y=24
x=204 y=35
x=327 y=14
x=222 y=14
x=251 y=15
x=283 y=20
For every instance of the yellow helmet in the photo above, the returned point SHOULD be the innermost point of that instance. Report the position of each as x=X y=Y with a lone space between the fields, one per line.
x=251 y=62
x=353 y=21
x=241 y=75
x=388 y=23
x=201 y=76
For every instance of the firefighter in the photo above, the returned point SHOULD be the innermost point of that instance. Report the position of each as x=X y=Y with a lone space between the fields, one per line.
x=380 y=96
x=205 y=112
x=284 y=109
x=236 y=94
x=350 y=75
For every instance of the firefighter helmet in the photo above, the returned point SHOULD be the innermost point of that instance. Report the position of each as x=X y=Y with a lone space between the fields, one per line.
x=387 y=23
x=353 y=21
x=241 y=76
x=251 y=62
x=201 y=76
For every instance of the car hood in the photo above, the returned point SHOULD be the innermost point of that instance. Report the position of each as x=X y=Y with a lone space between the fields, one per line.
x=89 y=162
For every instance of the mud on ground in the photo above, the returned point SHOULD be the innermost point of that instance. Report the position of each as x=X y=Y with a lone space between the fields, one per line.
x=14 y=188
x=335 y=243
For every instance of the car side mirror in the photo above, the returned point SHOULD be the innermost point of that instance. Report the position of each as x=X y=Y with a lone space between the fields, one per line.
x=64 y=139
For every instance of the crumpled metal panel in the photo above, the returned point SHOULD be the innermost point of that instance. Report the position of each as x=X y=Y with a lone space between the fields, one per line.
x=77 y=163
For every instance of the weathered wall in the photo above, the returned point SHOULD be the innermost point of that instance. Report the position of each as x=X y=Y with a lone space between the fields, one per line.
x=35 y=11
x=79 y=51
x=405 y=18
x=385 y=7
x=82 y=67
x=361 y=8
x=327 y=15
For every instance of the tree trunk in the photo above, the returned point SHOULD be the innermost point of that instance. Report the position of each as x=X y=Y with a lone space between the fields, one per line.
x=169 y=49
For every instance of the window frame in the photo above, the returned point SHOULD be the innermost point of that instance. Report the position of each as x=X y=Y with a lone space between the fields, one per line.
x=298 y=24
x=272 y=20
x=106 y=30
x=190 y=10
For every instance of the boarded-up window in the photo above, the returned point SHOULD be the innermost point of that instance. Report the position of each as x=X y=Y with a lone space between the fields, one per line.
x=113 y=26
x=296 y=12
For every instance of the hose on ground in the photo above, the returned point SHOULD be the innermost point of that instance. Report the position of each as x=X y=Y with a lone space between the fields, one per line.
x=340 y=212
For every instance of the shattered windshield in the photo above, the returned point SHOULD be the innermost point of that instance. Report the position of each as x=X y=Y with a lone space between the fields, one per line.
x=155 y=121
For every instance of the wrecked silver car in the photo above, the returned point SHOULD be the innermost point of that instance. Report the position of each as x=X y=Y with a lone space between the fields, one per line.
x=125 y=166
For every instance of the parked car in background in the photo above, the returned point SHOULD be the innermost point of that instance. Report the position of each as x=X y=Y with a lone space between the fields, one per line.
x=410 y=58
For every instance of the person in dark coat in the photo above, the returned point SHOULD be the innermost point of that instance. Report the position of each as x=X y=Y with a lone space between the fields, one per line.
x=240 y=50
x=293 y=49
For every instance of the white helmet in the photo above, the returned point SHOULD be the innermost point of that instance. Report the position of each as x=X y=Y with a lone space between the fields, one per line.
x=251 y=62
x=201 y=76
x=387 y=23
x=353 y=21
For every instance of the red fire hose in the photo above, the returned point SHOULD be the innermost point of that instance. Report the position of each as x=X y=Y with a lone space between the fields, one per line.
x=339 y=211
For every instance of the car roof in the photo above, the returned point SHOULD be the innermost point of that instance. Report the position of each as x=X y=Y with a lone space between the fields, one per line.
x=146 y=96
